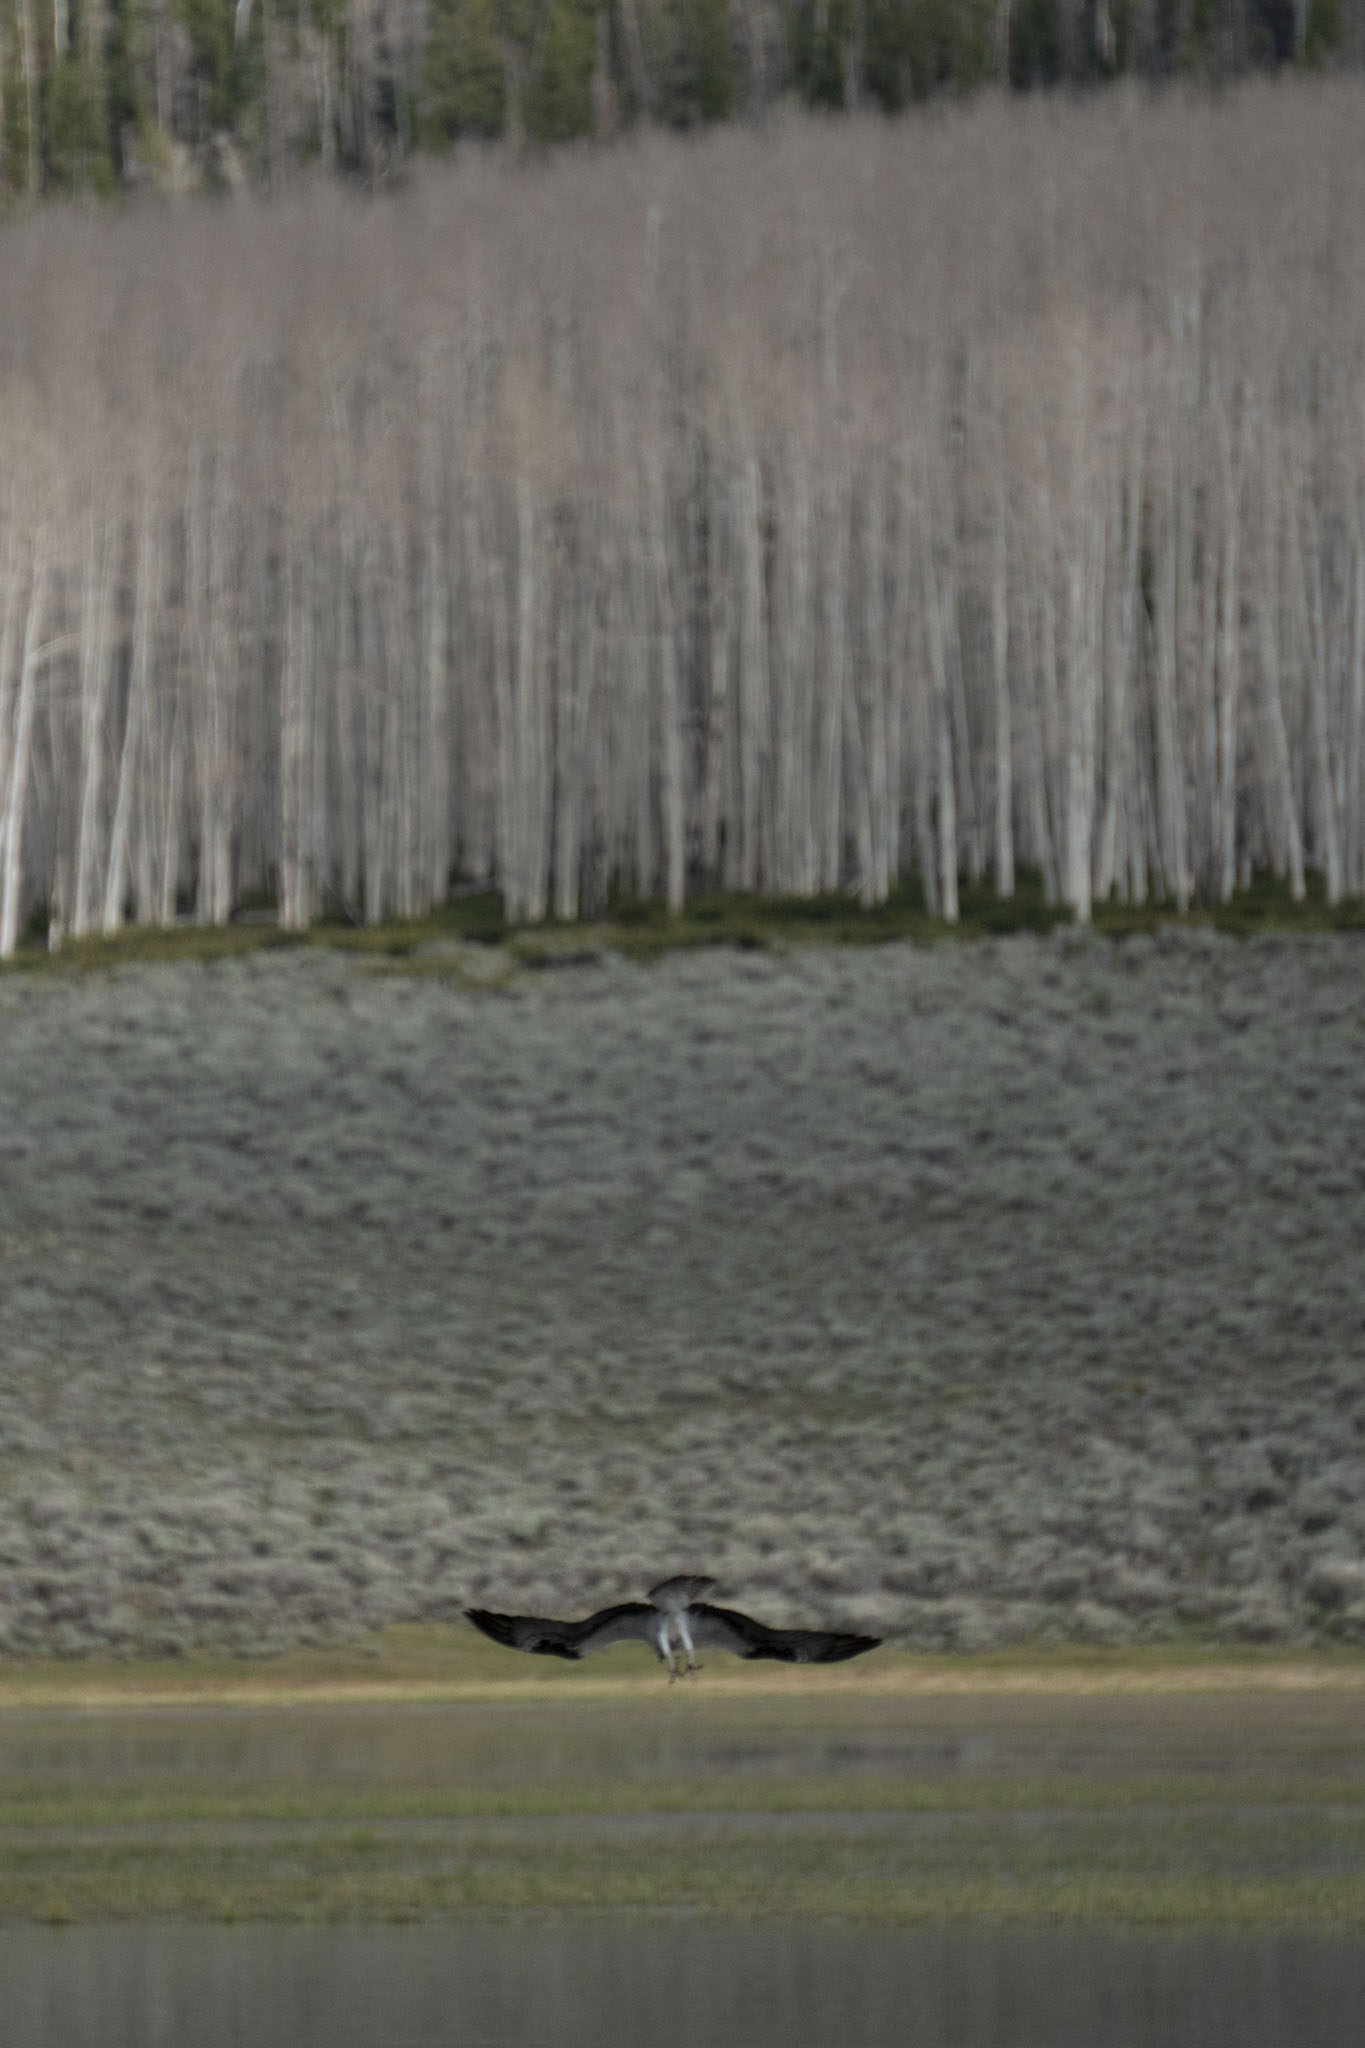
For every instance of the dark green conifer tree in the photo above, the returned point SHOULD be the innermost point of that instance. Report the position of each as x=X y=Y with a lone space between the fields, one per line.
x=75 y=127
x=559 y=88
x=464 y=80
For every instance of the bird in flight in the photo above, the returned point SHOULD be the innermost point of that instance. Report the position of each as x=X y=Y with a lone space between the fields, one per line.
x=673 y=1619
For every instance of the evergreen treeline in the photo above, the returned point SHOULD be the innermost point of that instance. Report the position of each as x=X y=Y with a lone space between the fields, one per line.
x=101 y=93
x=776 y=512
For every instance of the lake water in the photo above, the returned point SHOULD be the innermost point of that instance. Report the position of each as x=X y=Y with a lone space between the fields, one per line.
x=670 y=1983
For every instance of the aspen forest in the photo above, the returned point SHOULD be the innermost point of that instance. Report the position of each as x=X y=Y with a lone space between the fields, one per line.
x=788 y=509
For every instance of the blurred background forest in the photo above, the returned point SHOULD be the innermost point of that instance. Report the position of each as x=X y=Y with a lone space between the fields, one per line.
x=99 y=94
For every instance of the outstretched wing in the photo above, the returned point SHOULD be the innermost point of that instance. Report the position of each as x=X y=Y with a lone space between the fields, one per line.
x=728 y=1629
x=545 y=1638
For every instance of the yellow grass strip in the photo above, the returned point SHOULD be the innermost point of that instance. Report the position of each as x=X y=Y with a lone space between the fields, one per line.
x=432 y=1665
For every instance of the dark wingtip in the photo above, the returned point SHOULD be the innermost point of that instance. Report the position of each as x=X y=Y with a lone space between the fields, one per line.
x=495 y=1625
x=503 y=1628
x=850 y=1646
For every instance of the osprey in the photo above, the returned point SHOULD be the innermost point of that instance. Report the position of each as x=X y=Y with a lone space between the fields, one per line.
x=672 y=1619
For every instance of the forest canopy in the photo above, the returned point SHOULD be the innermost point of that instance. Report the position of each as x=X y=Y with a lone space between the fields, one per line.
x=99 y=94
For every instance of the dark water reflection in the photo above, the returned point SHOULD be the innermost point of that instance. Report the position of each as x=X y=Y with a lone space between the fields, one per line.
x=669 y=1982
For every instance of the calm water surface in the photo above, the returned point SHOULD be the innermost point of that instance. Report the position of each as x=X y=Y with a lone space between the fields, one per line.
x=669 y=1982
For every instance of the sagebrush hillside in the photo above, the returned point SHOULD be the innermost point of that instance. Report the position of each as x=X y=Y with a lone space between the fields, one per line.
x=972 y=1294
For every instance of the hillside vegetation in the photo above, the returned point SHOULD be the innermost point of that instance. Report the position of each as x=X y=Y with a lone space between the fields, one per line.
x=970 y=1294
x=774 y=511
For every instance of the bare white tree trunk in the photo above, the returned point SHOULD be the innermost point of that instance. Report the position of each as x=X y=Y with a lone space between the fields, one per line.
x=833 y=555
x=1355 y=746
x=753 y=676
x=877 y=874
x=1280 y=793
x=136 y=723
x=900 y=641
x=298 y=903
x=1313 y=639
x=16 y=792
x=1004 y=724
x=575 y=708
x=1229 y=669
x=1119 y=616
x=859 y=798
x=1170 y=757
x=99 y=576
x=374 y=721
x=15 y=576
x=1042 y=667
x=1085 y=585
x=717 y=793
x=402 y=781
x=433 y=718
x=970 y=810
x=938 y=596
x=672 y=795
x=491 y=579
x=794 y=684
x=531 y=719
x=172 y=858
x=213 y=659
